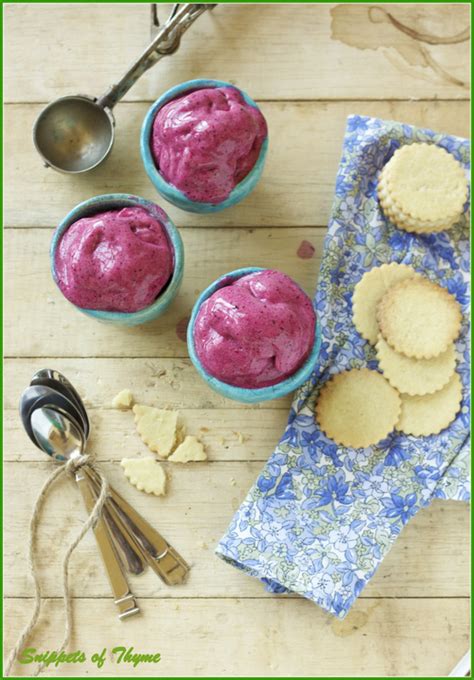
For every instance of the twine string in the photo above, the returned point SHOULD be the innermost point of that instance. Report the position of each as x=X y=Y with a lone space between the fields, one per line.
x=69 y=468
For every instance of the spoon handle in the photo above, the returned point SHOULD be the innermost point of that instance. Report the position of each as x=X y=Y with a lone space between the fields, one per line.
x=127 y=548
x=160 y=555
x=123 y=597
x=135 y=554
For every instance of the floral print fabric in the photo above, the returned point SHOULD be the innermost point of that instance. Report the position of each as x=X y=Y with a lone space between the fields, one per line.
x=320 y=518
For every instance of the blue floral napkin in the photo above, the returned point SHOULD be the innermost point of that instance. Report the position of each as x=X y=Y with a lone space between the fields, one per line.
x=320 y=518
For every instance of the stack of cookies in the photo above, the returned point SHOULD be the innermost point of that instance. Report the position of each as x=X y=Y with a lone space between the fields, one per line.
x=413 y=324
x=422 y=188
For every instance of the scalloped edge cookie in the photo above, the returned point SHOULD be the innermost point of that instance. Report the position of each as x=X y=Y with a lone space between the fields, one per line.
x=415 y=377
x=368 y=292
x=422 y=416
x=190 y=450
x=357 y=408
x=419 y=318
x=157 y=428
x=146 y=474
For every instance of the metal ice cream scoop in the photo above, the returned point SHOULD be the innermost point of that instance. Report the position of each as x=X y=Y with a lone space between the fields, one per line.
x=75 y=133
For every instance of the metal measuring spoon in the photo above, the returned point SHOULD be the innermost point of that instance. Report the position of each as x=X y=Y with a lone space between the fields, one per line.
x=63 y=440
x=49 y=377
x=30 y=402
x=136 y=541
x=75 y=133
x=37 y=396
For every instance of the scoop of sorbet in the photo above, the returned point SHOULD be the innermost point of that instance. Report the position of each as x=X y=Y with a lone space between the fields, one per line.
x=116 y=261
x=207 y=141
x=256 y=331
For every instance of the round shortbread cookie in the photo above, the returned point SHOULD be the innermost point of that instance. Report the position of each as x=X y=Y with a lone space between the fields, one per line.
x=415 y=376
x=422 y=188
x=418 y=318
x=357 y=408
x=431 y=413
x=370 y=290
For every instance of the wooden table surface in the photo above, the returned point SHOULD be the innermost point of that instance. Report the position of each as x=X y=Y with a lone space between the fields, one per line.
x=308 y=67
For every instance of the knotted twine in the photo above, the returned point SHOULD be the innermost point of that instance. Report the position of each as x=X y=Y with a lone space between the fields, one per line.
x=69 y=468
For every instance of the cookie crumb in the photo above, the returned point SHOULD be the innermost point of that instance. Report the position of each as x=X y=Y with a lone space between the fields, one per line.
x=123 y=400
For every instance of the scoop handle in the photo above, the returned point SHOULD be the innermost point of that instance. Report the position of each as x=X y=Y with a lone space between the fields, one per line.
x=166 y=42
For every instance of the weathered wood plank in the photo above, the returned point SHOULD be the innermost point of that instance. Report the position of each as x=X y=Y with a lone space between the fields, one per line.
x=228 y=434
x=273 y=51
x=206 y=638
x=171 y=383
x=209 y=253
x=296 y=188
x=194 y=514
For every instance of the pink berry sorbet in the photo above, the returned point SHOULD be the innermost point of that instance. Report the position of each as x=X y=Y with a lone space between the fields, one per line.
x=256 y=331
x=205 y=142
x=115 y=261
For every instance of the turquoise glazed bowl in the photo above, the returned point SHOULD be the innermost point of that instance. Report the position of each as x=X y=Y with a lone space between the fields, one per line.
x=167 y=190
x=105 y=202
x=249 y=396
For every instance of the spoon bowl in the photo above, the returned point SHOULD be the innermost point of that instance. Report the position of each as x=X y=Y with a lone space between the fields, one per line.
x=56 y=434
x=37 y=396
x=74 y=134
x=49 y=377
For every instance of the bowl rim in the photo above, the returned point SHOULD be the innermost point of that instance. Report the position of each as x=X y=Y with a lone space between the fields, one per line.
x=104 y=202
x=169 y=191
x=245 y=394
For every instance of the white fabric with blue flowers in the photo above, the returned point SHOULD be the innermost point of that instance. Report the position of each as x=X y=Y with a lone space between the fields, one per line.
x=320 y=517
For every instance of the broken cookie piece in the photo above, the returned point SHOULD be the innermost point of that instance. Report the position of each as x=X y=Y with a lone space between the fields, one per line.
x=191 y=450
x=157 y=428
x=146 y=474
x=123 y=400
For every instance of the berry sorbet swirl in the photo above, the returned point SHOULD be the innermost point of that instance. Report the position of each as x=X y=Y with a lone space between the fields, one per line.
x=115 y=261
x=256 y=331
x=207 y=141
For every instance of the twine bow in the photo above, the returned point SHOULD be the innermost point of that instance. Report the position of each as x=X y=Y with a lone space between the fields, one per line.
x=69 y=468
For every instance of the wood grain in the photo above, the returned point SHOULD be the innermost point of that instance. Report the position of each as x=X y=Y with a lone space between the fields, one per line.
x=193 y=516
x=296 y=188
x=209 y=253
x=274 y=52
x=277 y=637
x=170 y=383
x=229 y=434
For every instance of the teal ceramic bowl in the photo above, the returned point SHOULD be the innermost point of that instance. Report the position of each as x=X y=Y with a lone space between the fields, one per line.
x=167 y=190
x=249 y=396
x=116 y=201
